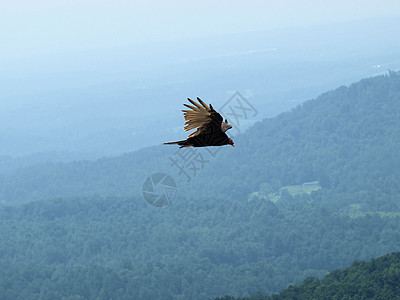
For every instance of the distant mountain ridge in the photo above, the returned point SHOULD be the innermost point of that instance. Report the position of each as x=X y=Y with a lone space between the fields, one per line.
x=346 y=139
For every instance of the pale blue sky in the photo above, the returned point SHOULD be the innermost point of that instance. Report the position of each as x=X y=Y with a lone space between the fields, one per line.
x=55 y=26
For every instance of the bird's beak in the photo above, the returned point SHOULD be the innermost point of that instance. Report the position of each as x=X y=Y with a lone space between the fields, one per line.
x=233 y=145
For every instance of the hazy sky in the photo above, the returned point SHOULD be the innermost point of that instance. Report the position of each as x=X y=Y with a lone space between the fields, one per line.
x=54 y=26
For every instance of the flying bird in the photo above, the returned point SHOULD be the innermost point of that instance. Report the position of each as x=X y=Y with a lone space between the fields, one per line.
x=210 y=126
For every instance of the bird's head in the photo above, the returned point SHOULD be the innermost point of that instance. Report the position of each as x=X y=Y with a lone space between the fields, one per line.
x=230 y=142
x=225 y=125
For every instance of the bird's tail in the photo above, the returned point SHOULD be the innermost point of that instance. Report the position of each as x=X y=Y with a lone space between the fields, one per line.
x=175 y=143
x=183 y=143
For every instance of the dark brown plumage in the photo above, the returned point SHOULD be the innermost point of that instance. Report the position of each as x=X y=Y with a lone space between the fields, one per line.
x=210 y=127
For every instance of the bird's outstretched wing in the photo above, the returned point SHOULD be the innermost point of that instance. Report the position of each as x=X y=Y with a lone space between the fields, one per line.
x=209 y=125
x=201 y=117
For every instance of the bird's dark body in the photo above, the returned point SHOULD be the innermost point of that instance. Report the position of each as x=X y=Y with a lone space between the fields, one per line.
x=209 y=131
x=205 y=139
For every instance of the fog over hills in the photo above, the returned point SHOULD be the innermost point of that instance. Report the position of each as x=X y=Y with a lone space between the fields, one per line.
x=343 y=139
x=110 y=101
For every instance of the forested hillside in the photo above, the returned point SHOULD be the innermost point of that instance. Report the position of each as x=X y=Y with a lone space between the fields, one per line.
x=81 y=230
x=121 y=248
x=347 y=139
x=377 y=279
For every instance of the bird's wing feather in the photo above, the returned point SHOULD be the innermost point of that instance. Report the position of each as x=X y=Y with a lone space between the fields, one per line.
x=197 y=116
x=201 y=117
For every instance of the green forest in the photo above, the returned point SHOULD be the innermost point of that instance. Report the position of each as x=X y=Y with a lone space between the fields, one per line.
x=377 y=279
x=241 y=226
